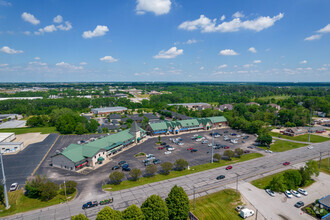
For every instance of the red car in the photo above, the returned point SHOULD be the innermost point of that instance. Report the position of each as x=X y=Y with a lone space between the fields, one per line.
x=286 y=163
x=229 y=168
x=190 y=148
x=227 y=147
x=160 y=148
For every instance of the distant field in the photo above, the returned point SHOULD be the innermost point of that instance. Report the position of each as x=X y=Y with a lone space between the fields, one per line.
x=42 y=130
x=280 y=146
x=219 y=205
x=276 y=97
x=303 y=138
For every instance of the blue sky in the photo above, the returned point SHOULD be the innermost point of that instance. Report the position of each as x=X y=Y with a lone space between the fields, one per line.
x=164 y=40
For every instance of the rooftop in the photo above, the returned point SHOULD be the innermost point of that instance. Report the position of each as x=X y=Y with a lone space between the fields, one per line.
x=190 y=104
x=3 y=136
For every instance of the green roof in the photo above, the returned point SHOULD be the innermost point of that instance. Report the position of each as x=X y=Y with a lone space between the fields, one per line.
x=217 y=119
x=189 y=123
x=158 y=126
x=73 y=152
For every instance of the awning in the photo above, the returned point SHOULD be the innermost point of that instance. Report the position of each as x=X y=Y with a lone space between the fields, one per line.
x=100 y=159
x=81 y=164
x=139 y=139
x=113 y=151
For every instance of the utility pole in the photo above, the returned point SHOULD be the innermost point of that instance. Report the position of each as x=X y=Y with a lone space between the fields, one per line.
x=310 y=122
x=320 y=159
x=236 y=183
x=66 y=199
x=4 y=182
x=212 y=143
x=194 y=197
x=328 y=158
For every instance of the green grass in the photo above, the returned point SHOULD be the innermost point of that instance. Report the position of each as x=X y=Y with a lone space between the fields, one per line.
x=303 y=138
x=42 y=130
x=139 y=154
x=264 y=182
x=20 y=203
x=280 y=146
x=276 y=97
x=219 y=205
x=324 y=166
x=194 y=169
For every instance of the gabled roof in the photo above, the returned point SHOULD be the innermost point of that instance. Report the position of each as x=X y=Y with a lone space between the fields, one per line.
x=134 y=128
x=159 y=126
x=189 y=122
x=73 y=152
x=217 y=119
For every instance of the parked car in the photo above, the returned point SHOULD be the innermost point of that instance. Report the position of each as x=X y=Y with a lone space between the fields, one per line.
x=164 y=143
x=210 y=145
x=302 y=191
x=170 y=148
x=239 y=208
x=270 y=192
x=225 y=132
x=90 y=204
x=251 y=147
x=218 y=135
x=161 y=148
x=246 y=151
x=299 y=204
x=13 y=186
x=238 y=136
x=220 y=177
x=147 y=163
x=180 y=143
x=295 y=193
x=229 y=168
x=146 y=160
x=190 y=148
x=193 y=150
x=310 y=147
x=205 y=142
x=199 y=139
x=168 y=152
x=268 y=151
x=149 y=155
x=288 y=194
x=121 y=163
x=126 y=169
x=226 y=147
x=157 y=161
x=115 y=167
x=286 y=163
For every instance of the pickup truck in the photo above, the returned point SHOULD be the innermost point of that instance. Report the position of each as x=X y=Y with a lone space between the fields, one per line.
x=90 y=204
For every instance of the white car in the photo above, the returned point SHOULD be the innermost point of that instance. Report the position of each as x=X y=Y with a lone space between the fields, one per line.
x=195 y=135
x=210 y=145
x=295 y=193
x=149 y=155
x=198 y=140
x=268 y=151
x=288 y=194
x=168 y=152
x=13 y=186
x=170 y=148
x=310 y=147
x=270 y=192
x=302 y=191
x=205 y=142
x=180 y=143
x=217 y=135
x=238 y=136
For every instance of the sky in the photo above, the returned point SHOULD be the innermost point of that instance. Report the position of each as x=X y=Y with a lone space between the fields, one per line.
x=165 y=40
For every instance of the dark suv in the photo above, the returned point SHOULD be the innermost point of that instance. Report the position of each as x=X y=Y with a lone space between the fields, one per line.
x=121 y=163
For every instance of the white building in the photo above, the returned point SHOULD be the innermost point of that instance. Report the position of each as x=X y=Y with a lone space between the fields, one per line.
x=6 y=146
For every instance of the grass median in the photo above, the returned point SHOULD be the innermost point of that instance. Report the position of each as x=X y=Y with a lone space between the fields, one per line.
x=280 y=146
x=42 y=130
x=20 y=203
x=302 y=138
x=173 y=174
x=324 y=166
x=263 y=183
x=219 y=205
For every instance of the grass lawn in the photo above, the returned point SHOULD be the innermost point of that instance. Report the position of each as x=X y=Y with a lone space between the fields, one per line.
x=43 y=130
x=159 y=177
x=303 y=138
x=276 y=97
x=324 y=166
x=280 y=146
x=20 y=203
x=219 y=205
x=264 y=182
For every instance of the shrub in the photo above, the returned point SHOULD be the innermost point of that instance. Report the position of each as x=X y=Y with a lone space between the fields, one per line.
x=217 y=157
x=108 y=213
x=166 y=167
x=155 y=208
x=178 y=204
x=116 y=177
x=135 y=173
x=70 y=187
x=79 y=217
x=151 y=169
x=181 y=164
x=132 y=212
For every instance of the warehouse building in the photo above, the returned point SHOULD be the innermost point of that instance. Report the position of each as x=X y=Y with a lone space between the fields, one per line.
x=108 y=110
x=6 y=144
x=175 y=127
x=99 y=152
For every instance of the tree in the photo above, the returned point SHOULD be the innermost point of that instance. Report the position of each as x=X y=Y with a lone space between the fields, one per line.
x=132 y=212
x=151 y=169
x=80 y=129
x=159 y=138
x=229 y=153
x=108 y=213
x=178 y=204
x=217 y=157
x=105 y=130
x=33 y=186
x=181 y=164
x=155 y=208
x=70 y=187
x=239 y=152
x=135 y=173
x=166 y=167
x=92 y=126
x=265 y=139
x=277 y=184
x=48 y=190
x=292 y=178
x=36 y=121
x=312 y=168
x=79 y=217
x=116 y=177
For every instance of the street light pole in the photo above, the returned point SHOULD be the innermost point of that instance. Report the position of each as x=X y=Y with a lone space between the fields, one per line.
x=194 y=197
x=212 y=143
x=4 y=182
x=310 y=122
x=236 y=183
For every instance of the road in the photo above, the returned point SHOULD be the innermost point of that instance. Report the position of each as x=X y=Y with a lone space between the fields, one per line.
x=203 y=182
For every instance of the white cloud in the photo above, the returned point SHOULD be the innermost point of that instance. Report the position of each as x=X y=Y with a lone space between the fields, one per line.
x=83 y=63
x=30 y=18
x=37 y=58
x=322 y=69
x=207 y=25
x=303 y=62
x=228 y=52
x=108 y=59
x=27 y=33
x=3 y=64
x=248 y=65
x=326 y=29
x=257 y=61
x=314 y=37
x=252 y=50
x=222 y=66
x=169 y=54
x=65 y=27
x=38 y=63
x=159 y=7
x=192 y=41
x=238 y=15
x=4 y=3
x=68 y=66
x=223 y=17
x=98 y=31
x=202 y=68
x=58 y=19
x=8 y=50
x=48 y=29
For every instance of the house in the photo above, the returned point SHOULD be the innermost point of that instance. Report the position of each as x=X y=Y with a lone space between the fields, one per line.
x=322 y=121
x=195 y=106
x=178 y=116
x=226 y=106
x=277 y=107
x=325 y=202
x=294 y=131
x=175 y=127
x=252 y=103
x=96 y=153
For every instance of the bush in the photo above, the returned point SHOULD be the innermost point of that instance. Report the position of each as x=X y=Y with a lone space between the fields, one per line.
x=108 y=213
x=239 y=152
x=154 y=208
x=181 y=164
x=292 y=178
x=135 y=173
x=277 y=184
x=79 y=217
x=217 y=157
x=228 y=153
x=41 y=188
x=166 y=167
x=116 y=177
x=48 y=191
x=151 y=169
x=70 y=187
x=132 y=212
x=178 y=204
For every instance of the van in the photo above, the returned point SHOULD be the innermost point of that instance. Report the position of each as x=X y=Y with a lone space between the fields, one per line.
x=245 y=213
